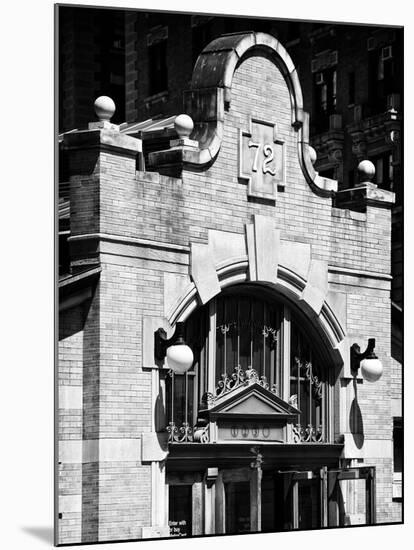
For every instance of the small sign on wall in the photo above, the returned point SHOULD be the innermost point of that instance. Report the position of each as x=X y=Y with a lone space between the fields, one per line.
x=261 y=159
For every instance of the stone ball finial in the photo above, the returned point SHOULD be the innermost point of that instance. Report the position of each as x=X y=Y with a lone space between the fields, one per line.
x=183 y=125
x=312 y=154
x=104 y=108
x=366 y=170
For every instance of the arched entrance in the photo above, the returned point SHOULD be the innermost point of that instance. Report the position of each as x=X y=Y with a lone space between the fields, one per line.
x=252 y=424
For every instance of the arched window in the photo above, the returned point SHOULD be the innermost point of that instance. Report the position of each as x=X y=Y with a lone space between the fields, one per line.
x=308 y=386
x=243 y=333
x=247 y=332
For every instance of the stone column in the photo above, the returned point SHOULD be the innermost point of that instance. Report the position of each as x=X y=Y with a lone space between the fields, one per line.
x=209 y=501
x=256 y=492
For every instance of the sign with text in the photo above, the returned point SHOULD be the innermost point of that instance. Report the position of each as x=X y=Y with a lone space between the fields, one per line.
x=261 y=159
x=180 y=510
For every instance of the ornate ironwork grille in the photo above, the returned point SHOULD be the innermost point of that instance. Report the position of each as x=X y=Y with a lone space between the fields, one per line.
x=183 y=391
x=307 y=388
x=247 y=335
x=237 y=337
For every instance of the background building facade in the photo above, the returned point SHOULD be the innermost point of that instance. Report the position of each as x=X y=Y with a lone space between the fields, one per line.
x=275 y=268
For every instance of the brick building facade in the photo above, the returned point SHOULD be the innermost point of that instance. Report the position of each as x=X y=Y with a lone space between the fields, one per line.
x=275 y=271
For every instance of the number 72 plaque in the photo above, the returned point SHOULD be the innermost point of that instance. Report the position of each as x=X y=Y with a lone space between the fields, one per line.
x=262 y=159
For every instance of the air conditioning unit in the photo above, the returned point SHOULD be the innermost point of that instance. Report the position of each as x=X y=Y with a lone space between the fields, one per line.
x=386 y=53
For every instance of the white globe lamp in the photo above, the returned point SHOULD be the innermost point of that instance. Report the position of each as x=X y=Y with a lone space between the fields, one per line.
x=178 y=354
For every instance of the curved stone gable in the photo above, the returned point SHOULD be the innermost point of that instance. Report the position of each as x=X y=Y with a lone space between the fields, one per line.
x=212 y=94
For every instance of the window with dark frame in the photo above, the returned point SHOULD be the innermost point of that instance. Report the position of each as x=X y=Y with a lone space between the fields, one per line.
x=324 y=97
x=157 y=64
x=381 y=78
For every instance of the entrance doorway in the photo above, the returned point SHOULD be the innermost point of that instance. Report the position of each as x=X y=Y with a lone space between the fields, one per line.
x=333 y=497
x=237 y=498
x=274 y=512
x=290 y=504
x=242 y=500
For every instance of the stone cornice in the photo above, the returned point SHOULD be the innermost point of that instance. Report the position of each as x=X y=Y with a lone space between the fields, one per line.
x=366 y=194
x=104 y=139
x=122 y=239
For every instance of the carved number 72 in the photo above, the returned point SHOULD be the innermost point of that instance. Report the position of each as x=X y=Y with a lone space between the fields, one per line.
x=268 y=155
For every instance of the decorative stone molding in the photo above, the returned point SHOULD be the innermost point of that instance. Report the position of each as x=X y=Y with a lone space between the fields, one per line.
x=324 y=187
x=154 y=446
x=203 y=272
x=316 y=289
x=80 y=451
x=295 y=257
x=286 y=267
x=175 y=285
x=263 y=249
x=70 y=397
x=103 y=139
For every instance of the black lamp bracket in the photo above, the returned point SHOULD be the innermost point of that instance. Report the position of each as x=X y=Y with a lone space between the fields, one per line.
x=161 y=342
x=357 y=356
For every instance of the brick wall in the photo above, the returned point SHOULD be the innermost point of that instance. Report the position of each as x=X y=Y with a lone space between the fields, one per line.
x=69 y=424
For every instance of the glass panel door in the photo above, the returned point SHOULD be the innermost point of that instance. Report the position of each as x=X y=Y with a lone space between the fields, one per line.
x=273 y=505
x=237 y=506
x=336 y=497
x=304 y=499
x=351 y=496
x=308 y=504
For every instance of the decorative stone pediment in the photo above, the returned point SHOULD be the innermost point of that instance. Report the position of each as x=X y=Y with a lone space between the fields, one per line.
x=252 y=401
x=251 y=413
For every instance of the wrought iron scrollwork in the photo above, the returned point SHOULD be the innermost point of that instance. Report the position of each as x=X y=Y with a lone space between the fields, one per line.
x=307 y=368
x=208 y=399
x=229 y=383
x=270 y=331
x=201 y=434
x=186 y=434
x=240 y=378
x=181 y=434
x=307 y=434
